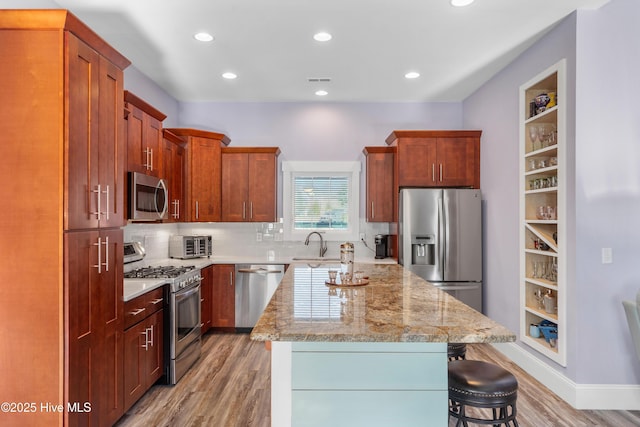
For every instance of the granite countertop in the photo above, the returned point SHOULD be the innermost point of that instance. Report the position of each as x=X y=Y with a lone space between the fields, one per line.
x=136 y=287
x=396 y=306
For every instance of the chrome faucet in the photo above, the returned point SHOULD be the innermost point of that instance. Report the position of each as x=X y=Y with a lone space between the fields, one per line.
x=323 y=245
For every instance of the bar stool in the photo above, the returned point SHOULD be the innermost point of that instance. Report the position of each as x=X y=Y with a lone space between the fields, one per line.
x=482 y=385
x=456 y=351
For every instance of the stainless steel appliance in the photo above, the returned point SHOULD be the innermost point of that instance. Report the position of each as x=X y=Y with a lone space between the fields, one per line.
x=148 y=198
x=190 y=246
x=183 y=334
x=440 y=239
x=382 y=246
x=255 y=284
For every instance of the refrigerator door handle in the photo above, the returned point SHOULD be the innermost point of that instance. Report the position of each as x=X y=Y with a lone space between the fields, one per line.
x=458 y=287
x=442 y=238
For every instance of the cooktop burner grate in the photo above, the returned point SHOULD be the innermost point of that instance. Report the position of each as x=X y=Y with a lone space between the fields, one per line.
x=160 y=272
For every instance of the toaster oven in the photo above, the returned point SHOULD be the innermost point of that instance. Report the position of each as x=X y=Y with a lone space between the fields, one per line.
x=184 y=247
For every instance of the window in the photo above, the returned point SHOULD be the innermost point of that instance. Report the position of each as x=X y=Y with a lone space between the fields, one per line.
x=321 y=196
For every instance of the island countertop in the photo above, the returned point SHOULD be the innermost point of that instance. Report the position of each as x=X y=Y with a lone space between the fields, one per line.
x=395 y=306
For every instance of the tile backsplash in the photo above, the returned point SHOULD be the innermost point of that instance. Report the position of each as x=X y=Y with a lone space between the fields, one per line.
x=260 y=240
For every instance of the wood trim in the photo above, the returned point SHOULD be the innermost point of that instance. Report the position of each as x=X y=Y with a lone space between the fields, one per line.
x=144 y=106
x=224 y=139
x=396 y=134
x=60 y=19
x=170 y=136
x=265 y=150
x=378 y=149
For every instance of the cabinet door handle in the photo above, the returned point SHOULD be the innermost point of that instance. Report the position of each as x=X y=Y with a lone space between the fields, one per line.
x=231 y=278
x=197 y=210
x=98 y=192
x=151 y=334
x=106 y=212
x=440 y=172
x=373 y=212
x=433 y=172
x=146 y=339
x=250 y=210
x=151 y=162
x=106 y=253
x=99 y=264
x=244 y=209
x=146 y=158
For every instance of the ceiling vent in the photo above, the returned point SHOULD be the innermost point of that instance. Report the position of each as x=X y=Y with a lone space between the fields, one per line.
x=319 y=80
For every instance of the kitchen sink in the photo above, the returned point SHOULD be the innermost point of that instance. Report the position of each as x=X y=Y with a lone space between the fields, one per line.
x=315 y=259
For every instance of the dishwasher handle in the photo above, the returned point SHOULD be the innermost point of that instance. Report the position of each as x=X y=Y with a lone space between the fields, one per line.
x=258 y=270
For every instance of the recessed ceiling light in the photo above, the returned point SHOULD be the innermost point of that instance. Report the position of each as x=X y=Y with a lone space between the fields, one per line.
x=412 y=75
x=322 y=93
x=229 y=75
x=203 y=37
x=322 y=37
x=461 y=3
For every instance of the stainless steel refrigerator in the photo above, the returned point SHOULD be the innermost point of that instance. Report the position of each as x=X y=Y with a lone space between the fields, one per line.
x=440 y=239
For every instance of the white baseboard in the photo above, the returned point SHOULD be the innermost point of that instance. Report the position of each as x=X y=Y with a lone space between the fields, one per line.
x=580 y=396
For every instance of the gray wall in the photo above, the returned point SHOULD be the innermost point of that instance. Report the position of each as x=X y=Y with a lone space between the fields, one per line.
x=601 y=48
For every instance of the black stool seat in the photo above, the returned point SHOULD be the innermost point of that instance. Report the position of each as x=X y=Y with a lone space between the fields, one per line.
x=483 y=385
x=456 y=351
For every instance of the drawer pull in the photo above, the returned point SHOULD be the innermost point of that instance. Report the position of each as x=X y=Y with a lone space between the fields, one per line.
x=157 y=300
x=136 y=312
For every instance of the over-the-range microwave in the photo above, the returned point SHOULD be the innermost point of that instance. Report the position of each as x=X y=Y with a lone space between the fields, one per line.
x=148 y=198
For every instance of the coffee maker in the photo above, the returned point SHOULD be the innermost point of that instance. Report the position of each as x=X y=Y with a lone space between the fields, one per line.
x=382 y=246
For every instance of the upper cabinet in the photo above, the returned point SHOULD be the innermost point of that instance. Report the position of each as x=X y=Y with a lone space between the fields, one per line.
x=543 y=213
x=428 y=158
x=249 y=177
x=380 y=188
x=144 y=136
x=202 y=173
x=173 y=159
x=95 y=154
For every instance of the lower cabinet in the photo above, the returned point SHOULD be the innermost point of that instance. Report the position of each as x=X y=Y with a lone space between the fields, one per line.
x=143 y=344
x=223 y=297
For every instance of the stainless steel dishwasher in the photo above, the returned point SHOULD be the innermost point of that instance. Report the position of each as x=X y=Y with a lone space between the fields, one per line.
x=255 y=284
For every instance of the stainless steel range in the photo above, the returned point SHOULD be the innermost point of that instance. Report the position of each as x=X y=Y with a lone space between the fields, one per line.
x=183 y=334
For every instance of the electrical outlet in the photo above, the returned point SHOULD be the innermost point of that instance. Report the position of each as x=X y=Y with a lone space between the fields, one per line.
x=607 y=255
x=258 y=237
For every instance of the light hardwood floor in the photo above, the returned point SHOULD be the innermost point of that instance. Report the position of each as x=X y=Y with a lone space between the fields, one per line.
x=229 y=386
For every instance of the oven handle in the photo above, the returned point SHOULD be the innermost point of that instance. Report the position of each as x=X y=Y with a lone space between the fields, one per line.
x=257 y=270
x=184 y=295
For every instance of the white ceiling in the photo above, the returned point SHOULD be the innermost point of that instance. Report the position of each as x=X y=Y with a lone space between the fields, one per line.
x=269 y=45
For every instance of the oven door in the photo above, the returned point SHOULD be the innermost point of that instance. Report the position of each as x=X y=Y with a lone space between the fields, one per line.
x=185 y=306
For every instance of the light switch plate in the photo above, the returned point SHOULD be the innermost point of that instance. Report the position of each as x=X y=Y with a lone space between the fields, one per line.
x=607 y=255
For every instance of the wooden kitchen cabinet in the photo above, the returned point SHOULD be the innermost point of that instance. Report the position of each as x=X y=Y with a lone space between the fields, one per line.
x=144 y=136
x=143 y=344
x=94 y=306
x=173 y=158
x=426 y=158
x=249 y=178
x=223 y=297
x=206 y=298
x=202 y=173
x=95 y=155
x=63 y=152
x=380 y=184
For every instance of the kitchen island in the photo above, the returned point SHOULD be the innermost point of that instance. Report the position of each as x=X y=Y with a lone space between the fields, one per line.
x=373 y=354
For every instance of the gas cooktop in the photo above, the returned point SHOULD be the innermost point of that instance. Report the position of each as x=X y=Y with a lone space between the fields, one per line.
x=160 y=272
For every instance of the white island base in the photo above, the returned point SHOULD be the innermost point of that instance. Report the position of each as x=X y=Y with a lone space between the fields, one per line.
x=350 y=384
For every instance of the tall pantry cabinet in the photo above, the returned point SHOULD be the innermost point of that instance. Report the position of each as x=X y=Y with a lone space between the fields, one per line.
x=63 y=171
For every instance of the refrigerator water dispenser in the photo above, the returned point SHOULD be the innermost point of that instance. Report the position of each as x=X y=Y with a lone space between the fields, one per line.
x=423 y=250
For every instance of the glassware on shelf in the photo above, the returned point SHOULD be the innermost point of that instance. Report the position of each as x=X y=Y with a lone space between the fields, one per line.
x=533 y=136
